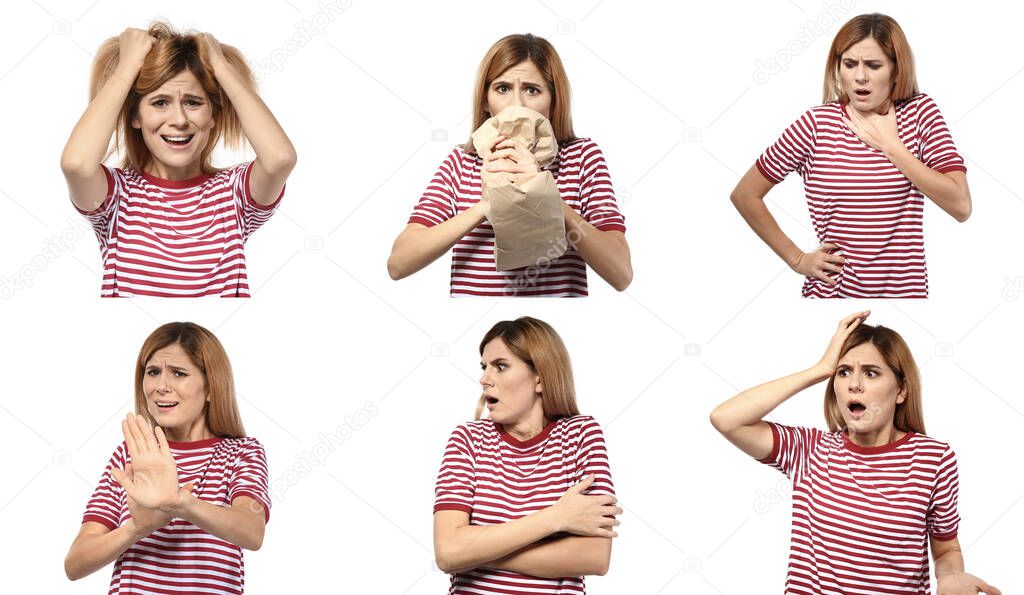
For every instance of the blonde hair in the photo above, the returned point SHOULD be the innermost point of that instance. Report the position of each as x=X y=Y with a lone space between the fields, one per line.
x=171 y=54
x=516 y=49
x=207 y=354
x=537 y=344
x=887 y=32
x=909 y=415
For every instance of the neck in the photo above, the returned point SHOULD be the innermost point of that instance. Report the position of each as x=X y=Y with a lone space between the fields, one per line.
x=174 y=174
x=189 y=433
x=527 y=428
x=880 y=437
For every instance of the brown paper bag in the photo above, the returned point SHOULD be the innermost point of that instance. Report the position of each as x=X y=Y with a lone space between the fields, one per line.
x=526 y=210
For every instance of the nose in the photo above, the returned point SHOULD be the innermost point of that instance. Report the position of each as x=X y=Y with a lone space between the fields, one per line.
x=485 y=380
x=178 y=117
x=162 y=385
x=860 y=74
x=855 y=383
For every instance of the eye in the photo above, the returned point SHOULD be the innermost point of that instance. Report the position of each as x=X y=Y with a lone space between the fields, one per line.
x=180 y=373
x=193 y=102
x=502 y=89
x=159 y=103
x=843 y=373
x=871 y=373
x=533 y=91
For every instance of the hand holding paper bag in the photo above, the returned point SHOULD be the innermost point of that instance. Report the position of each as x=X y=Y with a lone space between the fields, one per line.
x=525 y=208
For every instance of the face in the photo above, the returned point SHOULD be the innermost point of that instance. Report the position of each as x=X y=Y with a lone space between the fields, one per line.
x=512 y=391
x=175 y=391
x=176 y=121
x=520 y=85
x=866 y=75
x=867 y=390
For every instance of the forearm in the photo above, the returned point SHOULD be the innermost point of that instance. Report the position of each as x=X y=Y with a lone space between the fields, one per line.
x=755 y=212
x=90 y=552
x=90 y=138
x=750 y=406
x=951 y=196
x=604 y=251
x=418 y=246
x=569 y=555
x=471 y=546
x=274 y=150
x=949 y=562
x=234 y=524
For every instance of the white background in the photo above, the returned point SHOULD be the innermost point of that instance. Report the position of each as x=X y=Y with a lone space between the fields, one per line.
x=329 y=344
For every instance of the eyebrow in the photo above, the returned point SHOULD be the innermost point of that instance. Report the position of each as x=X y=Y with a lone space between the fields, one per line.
x=157 y=367
x=498 y=360
x=510 y=84
x=868 y=366
x=184 y=95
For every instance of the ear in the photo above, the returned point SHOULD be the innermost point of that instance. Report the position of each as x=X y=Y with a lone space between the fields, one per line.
x=538 y=386
x=135 y=123
x=901 y=395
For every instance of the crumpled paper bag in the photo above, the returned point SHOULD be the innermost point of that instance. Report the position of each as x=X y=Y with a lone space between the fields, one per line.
x=526 y=210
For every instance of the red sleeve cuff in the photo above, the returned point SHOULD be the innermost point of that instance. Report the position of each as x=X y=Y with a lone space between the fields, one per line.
x=773 y=456
x=422 y=221
x=944 y=536
x=248 y=494
x=92 y=518
x=248 y=191
x=767 y=175
x=452 y=506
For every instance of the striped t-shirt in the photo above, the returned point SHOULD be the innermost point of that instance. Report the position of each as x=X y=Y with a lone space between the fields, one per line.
x=176 y=238
x=181 y=557
x=582 y=178
x=496 y=478
x=859 y=201
x=862 y=515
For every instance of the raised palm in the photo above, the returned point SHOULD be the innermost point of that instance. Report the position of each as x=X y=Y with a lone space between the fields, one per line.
x=153 y=481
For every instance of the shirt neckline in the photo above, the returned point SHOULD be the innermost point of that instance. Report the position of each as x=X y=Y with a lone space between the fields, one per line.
x=164 y=183
x=509 y=438
x=868 y=450
x=194 y=445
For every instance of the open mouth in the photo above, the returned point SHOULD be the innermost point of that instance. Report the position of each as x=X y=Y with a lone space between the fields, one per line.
x=862 y=93
x=491 y=401
x=166 y=405
x=856 y=409
x=177 y=141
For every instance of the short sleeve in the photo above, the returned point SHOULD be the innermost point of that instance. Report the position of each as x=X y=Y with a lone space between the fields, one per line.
x=108 y=503
x=249 y=475
x=252 y=215
x=943 y=519
x=592 y=459
x=456 y=481
x=936 y=144
x=102 y=216
x=597 y=196
x=439 y=202
x=791 y=151
x=791 y=449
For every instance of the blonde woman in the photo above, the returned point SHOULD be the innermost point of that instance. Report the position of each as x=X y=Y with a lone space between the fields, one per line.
x=872 y=493
x=187 y=490
x=170 y=224
x=868 y=158
x=524 y=499
x=521 y=70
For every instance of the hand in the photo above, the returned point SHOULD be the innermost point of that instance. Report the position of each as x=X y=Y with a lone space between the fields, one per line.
x=589 y=516
x=819 y=262
x=211 y=51
x=878 y=131
x=153 y=482
x=133 y=46
x=511 y=155
x=964 y=584
x=830 y=360
x=146 y=520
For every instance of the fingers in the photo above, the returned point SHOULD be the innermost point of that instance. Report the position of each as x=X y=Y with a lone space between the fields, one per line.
x=853 y=320
x=583 y=485
x=120 y=477
x=128 y=429
x=820 y=274
x=161 y=440
x=148 y=440
x=129 y=471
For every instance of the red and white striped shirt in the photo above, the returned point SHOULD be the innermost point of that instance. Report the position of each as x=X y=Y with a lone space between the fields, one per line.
x=859 y=201
x=862 y=515
x=496 y=478
x=176 y=238
x=582 y=178
x=181 y=557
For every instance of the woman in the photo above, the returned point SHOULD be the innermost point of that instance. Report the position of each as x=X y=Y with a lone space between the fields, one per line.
x=867 y=493
x=170 y=224
x=161 y=536
x=519 y=70
x=524 y=499
x=868 y=157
